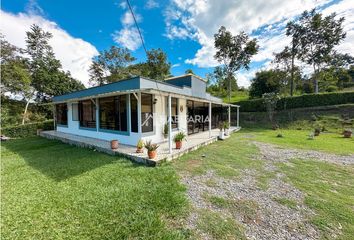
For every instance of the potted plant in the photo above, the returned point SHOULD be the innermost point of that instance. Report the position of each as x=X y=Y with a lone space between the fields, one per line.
x=179 y=137
x=347 y=133
x=151 y=148
x=221 y=128
x=140 y=146
x=317 y=131
x=226 y=128
x=114 y=144
x=165 y=130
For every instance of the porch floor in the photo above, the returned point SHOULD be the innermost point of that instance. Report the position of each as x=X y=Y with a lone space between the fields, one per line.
x=193 y=142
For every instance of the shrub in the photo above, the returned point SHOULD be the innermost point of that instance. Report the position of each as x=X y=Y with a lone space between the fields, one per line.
x=151 y=146
x=27 y=130
x=179 y=137
x=307 y=100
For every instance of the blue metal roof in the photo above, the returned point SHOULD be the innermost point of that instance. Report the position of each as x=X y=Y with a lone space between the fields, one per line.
x=136 y=84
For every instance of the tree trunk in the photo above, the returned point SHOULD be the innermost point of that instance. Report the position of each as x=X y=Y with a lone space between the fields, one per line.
x=315 y=79
x=25 y=112
x=292 y=77
x=230 y=89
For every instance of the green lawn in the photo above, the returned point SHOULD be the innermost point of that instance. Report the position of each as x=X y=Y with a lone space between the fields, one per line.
x=331 y=142
x=52 y=190
x=329 y=191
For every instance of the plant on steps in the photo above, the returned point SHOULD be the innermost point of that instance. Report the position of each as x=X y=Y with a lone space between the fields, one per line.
x=151 y=148
x=179 y=137
x=140 y=146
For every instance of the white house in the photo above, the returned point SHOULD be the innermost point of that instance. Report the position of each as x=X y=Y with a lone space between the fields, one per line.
x=138 y=108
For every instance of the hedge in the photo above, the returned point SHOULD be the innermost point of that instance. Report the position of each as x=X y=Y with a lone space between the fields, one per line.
x=26 y=130
x=307 y=100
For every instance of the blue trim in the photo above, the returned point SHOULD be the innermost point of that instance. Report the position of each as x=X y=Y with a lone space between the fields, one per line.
x=122 y=85
x=62 y=125
x=125 y=133
x=86 y=128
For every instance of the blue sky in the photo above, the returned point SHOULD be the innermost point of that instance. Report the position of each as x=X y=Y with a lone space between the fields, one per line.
x=182 y=28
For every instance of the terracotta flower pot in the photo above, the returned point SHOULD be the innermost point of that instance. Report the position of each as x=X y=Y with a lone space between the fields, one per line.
x=152 y=154
x=347 y=134
x=114 y=144
x=139 y=150
x=179 y=144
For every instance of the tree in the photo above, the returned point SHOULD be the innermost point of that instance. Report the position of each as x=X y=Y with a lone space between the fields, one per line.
x=110 y=66
x=266 y=82
x=15 y=74
x=48 y=79
x=189 y=71
x=158 y=65
x=219 y=82
x=318 y=35
x=234 y=52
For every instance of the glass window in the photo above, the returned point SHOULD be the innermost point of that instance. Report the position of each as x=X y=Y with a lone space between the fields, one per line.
x=61 y=113
x=147 y=121
x=87 y=114
x=75 y=112
x=113 y=113
x=133 y=113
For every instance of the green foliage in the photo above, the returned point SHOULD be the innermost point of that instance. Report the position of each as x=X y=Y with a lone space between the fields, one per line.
x=48 y=79
x=140 y=144
x=179 y=137
x=266 y=81
x=157 y=64
x=234 y=52
x=151 y=146
x=27 y=130
x=309 y=100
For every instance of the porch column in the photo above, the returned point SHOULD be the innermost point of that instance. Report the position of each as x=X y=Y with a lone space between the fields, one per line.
x=230 y=115
x=129 y=114
x=169 y=125
x=54 y=116
x=97 y=115
x=238 y=116
x=139 y=113
x=209 y=119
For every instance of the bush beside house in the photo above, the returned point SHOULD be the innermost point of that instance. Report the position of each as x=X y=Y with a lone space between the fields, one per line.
x=26 y=130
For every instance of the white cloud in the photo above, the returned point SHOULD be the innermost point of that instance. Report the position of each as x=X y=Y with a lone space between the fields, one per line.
x=150 y=4
x=75 y=54
x=175 y=65
x=128 y=36
x=200 y=19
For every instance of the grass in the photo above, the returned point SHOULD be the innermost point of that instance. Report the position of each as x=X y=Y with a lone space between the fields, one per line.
x=329 y=191
x=236 y=96
x=52 y=190
x=286 y=202
x=248 y=209
x=227 y=158
x=220 y=227
x=327 y=141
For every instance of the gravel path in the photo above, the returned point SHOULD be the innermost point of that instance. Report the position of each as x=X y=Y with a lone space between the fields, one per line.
x=271 y=220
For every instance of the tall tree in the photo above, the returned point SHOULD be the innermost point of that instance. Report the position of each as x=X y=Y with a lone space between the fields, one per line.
x=158 y=65
x=47 y=76
x=189 y=71
x=284 y=62
x=15 y=74
x=318 y=35
x=234 y=52
x=110 y=66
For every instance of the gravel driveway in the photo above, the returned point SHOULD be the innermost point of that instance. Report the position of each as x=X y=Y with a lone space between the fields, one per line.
x=271 y=218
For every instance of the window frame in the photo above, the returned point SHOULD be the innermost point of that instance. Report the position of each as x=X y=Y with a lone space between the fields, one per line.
x=120 y=123
x=93 y=116
x=60 y=122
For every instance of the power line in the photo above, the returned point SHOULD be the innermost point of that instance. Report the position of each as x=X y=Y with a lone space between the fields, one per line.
x=137 y=26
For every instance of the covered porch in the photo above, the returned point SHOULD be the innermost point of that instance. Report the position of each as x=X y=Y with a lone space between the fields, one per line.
x=166 y=151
